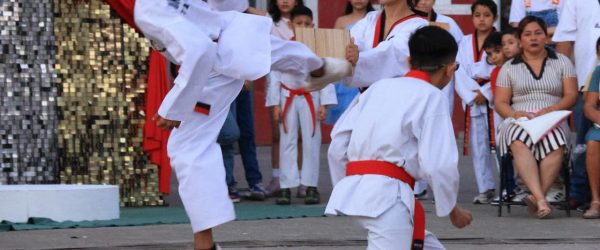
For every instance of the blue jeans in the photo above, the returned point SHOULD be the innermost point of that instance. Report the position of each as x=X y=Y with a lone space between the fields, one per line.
x=580 y=189
x=229 y=134
x=549 y=16
x=244 y=120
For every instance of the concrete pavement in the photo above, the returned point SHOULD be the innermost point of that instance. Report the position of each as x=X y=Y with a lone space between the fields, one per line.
x=513 y=231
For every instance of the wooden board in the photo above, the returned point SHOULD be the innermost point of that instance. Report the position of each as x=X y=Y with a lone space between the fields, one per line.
x=325 y=42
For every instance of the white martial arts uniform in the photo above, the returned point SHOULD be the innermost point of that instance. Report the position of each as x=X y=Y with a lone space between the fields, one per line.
x=457 y=33
x=299 y=110
x=376 y=61
x=385 y=59
x=208 y=81
x=403 y=121
x=466 y=77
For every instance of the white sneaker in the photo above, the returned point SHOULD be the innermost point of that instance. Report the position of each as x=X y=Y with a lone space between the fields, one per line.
x=484 y=198
x=335 y=70
x=555 y=194
x=519 y=196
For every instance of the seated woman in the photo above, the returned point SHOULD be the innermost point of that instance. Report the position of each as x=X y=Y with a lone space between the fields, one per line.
x=536 y=82
x=592 y=112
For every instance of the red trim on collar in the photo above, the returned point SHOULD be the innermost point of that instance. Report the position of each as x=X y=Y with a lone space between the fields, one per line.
x=477 y=55
x=419 y=75
x=379 y=29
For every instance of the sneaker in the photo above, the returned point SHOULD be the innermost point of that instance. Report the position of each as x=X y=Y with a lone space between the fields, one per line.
x=257 y=192
x=519 y=196
x=301 y=191
x=285 y=198
x=422 y=195
x=555 y=195
x=273 y=187
x=484 y=198
x=234 y=195
x=312 y=196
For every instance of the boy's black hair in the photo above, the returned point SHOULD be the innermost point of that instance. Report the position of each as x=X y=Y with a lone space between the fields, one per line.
x=493 y=40
x=275 y=12
x=349 y=7
x=486 y=3
x=301 y=10
x=431 y=48
x=511 y=31
x=598 y=46
x=531 y=19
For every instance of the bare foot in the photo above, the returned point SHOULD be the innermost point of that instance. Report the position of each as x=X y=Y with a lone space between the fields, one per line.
x=531 y=203
x=544 y=209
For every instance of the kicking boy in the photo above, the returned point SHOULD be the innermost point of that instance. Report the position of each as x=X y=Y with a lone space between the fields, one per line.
x=298 y=108
x=381 y=161
x=214 y=64
x=472 y=85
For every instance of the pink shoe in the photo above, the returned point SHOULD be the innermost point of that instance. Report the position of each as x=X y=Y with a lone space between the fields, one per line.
x=273 y=187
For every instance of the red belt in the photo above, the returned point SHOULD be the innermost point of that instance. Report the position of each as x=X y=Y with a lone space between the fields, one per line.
x=396 y=172
x=490 y=117
x=288 y=101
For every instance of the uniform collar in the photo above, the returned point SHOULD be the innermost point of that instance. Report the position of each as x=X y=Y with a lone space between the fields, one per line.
x=419 y=75
x=519 y=58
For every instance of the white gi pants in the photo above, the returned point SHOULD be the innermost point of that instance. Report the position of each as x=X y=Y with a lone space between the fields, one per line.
x=480 y=152
x=197 y=160
x=298 y=116
x=393 y=230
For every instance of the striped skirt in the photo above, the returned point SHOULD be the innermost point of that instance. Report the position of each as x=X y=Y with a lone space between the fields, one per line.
x=510 y=132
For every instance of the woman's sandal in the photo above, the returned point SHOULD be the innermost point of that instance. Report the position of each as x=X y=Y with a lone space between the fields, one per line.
x=592 y=213
x=532 y=206
x=544 y=210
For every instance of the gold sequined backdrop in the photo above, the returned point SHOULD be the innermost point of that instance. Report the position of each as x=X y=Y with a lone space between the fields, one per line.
x=100 y=78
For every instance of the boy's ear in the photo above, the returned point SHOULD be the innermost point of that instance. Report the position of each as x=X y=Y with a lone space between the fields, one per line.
x=408 y=61
x=449 y=70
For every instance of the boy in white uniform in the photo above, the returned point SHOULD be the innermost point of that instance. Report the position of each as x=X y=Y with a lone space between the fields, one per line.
x=473 y=87
x=298 y=108
x=400 y=130
x=451 y=26
x=379 y=51
x=210 y=77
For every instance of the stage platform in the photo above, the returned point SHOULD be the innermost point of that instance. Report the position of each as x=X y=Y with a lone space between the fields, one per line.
x=59 y=203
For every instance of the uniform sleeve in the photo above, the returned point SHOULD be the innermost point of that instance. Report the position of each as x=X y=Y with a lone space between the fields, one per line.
x=229 y=5
x=273 y=90
x=358 y=33
x=293 y=58
x=327 y=95
x=464 y=84
x=387 y=60
x=567 y=27
x=438 y=156
x=517 y=11
x=455 y=31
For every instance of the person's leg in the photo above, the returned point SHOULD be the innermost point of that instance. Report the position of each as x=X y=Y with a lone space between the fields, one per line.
x=311 y=144
x=593 y=169
x=527 y=168
x=579 y=180
x=245 y=119
x=203 y=240
x=228 y=160
x=288 y=147
x=480 y=150
x=273 y=186
x=550 y=168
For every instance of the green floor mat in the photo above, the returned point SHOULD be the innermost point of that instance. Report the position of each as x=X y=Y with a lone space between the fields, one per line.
x=169 y=215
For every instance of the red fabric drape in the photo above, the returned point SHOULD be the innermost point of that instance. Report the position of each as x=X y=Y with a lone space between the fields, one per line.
x=155 y=139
